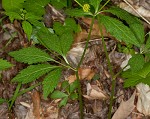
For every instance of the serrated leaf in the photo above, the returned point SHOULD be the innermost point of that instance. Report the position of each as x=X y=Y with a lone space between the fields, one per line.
x=49 y=40
x=27 y=27
x=35 y=6
x=95 y=4
x=134 y=23
x=63 y=102
x=12 y=5
x=30 y=55
x=138 y=30
x=58 y=94
x=130 y=19
x=13 y=15
x=50 y=82
x=66 y=41
x=119 y=30
x=145 y=70
x=136 y=62
x=77 y=12
x=2 y=100
x=32 y=73
x=4 y=64
x=70 y=24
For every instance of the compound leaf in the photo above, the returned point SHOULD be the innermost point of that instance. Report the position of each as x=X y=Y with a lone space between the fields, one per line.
x=32 y=73
x=4 y=64
x=30 y=55
x=134 y=23
x=119 y=30
x=27 y=27
x=50 y=82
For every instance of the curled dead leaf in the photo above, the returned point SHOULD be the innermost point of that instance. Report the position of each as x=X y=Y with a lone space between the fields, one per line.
x=94 y=92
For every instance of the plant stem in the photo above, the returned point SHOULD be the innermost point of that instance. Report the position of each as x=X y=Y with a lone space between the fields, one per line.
x=111 y=71
x=15 y=95
x=79 y=64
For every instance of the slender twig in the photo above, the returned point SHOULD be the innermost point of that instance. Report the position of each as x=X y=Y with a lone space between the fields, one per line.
x=111 y=71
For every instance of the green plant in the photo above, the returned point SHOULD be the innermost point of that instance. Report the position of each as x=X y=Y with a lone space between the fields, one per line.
x=67 y=92
x=59 y=39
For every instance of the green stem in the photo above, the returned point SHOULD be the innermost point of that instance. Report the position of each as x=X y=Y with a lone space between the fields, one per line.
x=111 y=71
x=86 y=45
x=103 y=6
x=79 y=64
x=15 y=95
x=78 y=3
x=80 y=96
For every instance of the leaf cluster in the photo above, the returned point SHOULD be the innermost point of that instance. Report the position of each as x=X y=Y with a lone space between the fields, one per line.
x=68 y=92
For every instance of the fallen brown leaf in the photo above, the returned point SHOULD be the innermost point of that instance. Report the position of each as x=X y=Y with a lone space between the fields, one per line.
x=125 y=108
x=94 y=92
x=84 y=74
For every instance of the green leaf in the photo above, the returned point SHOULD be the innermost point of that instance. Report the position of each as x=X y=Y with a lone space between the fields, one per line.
x=59 y=4
x=63 y=101
x=58 y=28
x=50 y=82
x=145 y=70
x=65 y=86
x=32 y=73
x=77 y=12
x=71 y=25
x=35 y=6
x=74 y=96
x=14 y=15
x=36 y=23
x=4 y=64
x=95 y=4
x=27 y=27
x=66 y=41
x=30 y=55
x=138 y=30
x=2 y=100
x=132 y=78
x=31 y=16
x=134 y=23
x=119 y=30
x=12 y=5
x=136 y=62
x=73 y=86
x=49 y=40
x=58 y=94
x=122 y=14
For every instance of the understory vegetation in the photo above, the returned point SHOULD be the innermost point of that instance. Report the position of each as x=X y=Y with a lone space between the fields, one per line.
x=46 y=55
